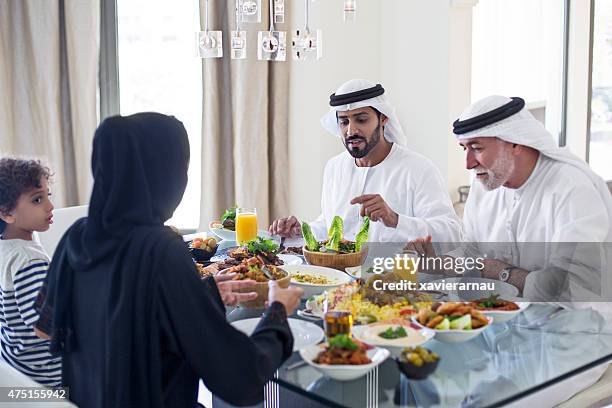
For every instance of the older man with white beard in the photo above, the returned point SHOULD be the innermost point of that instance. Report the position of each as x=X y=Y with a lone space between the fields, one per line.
x=538 y=214
x=531 y=195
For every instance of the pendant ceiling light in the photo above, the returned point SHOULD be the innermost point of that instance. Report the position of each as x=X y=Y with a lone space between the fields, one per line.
x=350 y=9
x=239 y=38
x=306 y=43
x=272 y=44
x=210 y=43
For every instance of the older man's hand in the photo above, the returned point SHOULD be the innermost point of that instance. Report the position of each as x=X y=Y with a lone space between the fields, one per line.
x=288 y=227
x=227 y=288
x=375 y=207
x=422 y=246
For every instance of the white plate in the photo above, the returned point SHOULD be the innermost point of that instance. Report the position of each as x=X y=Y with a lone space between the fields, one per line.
x=338 y=277
x=416 y=336
x=304 y=333
x=343 y=372
x=456 y=336
x=290 y=260
x=501 y=316
x=503 y=289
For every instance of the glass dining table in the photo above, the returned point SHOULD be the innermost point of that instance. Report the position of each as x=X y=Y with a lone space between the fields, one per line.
x=540 y=358
x=544 y=354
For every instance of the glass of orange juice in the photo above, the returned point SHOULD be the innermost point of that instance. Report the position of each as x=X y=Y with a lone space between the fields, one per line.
x=246 y=225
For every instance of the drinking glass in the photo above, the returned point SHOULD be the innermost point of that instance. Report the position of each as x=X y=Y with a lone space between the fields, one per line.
x=406 y=268
x=246 y=225
x=338 y=322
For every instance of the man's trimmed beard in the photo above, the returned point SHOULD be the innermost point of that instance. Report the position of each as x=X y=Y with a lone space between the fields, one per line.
x=499 y=173
x=360 y=153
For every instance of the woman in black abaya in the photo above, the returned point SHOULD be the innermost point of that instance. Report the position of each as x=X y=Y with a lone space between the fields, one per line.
x=134 y=323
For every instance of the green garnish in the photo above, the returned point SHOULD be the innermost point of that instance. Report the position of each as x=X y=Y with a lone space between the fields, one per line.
x=342 y=341
x=259 y=245
x=391 y=333
x=346 y=246
x=230 y=213
x=491 y=301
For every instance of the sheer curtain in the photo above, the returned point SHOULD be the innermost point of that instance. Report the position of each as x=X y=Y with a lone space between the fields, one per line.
x=244 y=124
x=48 y=82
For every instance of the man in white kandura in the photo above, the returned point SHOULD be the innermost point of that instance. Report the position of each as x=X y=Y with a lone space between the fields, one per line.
x=400 y=190
x=533 y=195
x=541 y=216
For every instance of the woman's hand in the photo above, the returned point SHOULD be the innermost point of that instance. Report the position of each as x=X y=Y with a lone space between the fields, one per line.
x=227 y=288
x=289 y=297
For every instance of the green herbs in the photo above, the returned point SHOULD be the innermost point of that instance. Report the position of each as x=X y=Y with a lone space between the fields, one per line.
x=228 y=219
x=490 y=302
x=261 y=245
x=392 y=333
x=311 y=241
x=346 y=247
x=342 y=341
x=230 y=213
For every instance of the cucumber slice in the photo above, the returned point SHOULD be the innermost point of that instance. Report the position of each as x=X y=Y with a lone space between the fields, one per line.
x=463 y=323
x=444 y=325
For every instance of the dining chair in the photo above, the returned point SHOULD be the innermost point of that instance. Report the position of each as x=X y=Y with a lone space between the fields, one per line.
x=10 y=378
x=63 y=218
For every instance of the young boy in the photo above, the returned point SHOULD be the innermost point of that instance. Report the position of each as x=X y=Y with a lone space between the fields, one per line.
x=24 y=208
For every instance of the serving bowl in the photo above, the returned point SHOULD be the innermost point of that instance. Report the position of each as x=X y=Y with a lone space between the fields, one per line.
x=261 y=288
x=454 y=335
x=217 y=228
x=417 y=335
x=312 y=289
x=415 y=372
x=203 y=249
x=502 y=316
x=335 y=260
x=343 y=372
x=202 y=255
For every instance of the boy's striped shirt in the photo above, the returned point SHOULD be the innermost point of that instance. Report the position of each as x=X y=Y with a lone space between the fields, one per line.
x=23 y=270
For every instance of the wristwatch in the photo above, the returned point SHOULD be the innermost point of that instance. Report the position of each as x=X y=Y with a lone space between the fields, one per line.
x=504 y=274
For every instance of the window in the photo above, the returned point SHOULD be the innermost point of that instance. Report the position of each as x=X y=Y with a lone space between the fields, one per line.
x=600 y=144
x=518 y=51
x=159 y=71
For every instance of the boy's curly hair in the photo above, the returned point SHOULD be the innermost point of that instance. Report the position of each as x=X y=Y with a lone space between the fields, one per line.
x=18 y=176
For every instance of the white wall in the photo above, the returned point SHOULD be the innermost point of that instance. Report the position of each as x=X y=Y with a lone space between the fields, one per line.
x=350 y=50
x=415 y=45
x=416 y=49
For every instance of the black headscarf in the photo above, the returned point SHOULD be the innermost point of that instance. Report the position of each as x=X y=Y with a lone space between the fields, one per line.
x=139 y=165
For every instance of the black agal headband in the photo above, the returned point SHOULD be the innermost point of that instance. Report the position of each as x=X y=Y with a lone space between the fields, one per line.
x=357 y=96
x=488 y=118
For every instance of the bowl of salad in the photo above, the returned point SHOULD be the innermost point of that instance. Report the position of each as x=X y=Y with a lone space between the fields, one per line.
x=336 y=252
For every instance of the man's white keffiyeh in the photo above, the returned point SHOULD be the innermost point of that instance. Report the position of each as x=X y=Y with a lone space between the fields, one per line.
x=393 y=130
